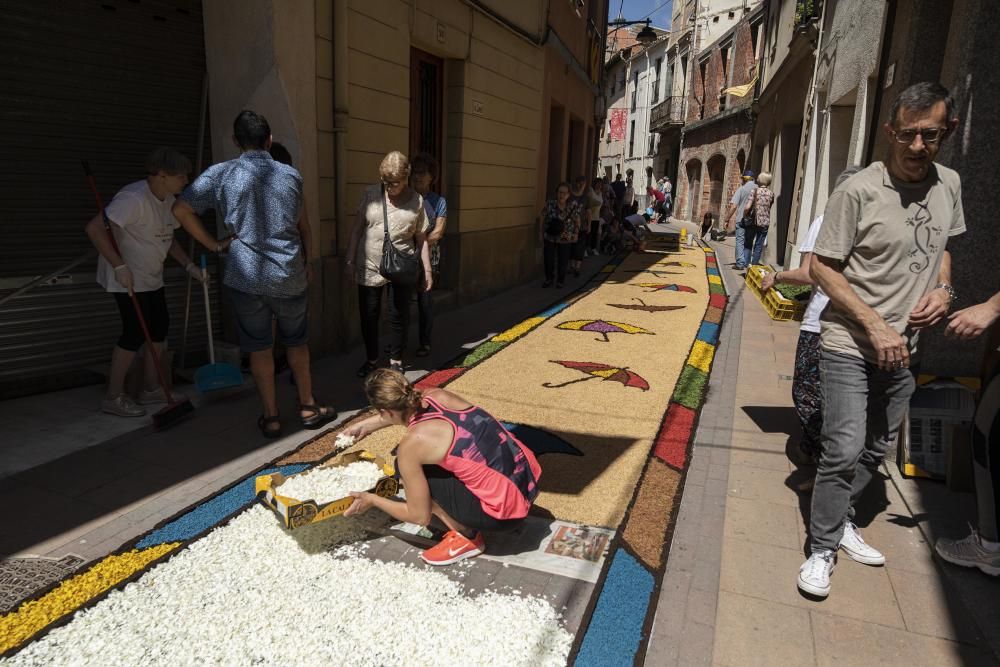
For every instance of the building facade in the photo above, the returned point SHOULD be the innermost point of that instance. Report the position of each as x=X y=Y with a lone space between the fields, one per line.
x=635 y=81
x=503 y=94
x=716 y=136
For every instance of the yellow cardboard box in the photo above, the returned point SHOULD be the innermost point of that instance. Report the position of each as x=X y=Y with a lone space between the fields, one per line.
x=296 y=513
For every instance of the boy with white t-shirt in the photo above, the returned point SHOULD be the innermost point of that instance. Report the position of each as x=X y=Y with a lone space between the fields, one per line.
x=143 y=225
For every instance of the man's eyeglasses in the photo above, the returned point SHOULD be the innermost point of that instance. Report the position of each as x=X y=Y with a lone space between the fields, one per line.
x=930 y=135
x=391 y=184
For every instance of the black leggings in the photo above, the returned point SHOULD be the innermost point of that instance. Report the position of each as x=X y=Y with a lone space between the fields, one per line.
x=370 y=305
x=556 y=260
x=154 y=311
x=595 y=234
x=460 y=504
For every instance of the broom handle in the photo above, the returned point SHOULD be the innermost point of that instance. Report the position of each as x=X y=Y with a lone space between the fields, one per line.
x=208 y=310
x=135 y=301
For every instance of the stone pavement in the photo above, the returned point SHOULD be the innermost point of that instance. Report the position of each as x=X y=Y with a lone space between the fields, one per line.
x=729 y=595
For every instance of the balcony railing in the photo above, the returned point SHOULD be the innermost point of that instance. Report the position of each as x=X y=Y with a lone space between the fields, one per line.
x=668 y=112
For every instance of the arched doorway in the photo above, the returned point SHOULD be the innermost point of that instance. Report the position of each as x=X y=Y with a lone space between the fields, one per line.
x=717 y=183
x=694 y=189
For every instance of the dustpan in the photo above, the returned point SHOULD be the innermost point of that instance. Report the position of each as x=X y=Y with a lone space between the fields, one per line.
x=213 y=376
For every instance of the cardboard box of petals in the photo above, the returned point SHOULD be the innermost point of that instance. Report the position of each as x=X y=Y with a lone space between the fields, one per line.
x=295 y=513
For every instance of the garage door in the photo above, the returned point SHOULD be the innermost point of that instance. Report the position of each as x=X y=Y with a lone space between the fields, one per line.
x=106 y=82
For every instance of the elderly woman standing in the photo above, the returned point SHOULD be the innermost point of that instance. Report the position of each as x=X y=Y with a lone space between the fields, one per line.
x=392 y=204
x=562 y=220
x=758 y=215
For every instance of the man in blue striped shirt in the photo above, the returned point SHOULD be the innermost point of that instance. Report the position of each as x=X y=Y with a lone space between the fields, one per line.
x=260 y=203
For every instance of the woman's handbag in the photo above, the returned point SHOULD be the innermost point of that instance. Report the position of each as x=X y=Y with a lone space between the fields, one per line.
x=396 y=266
x=554 y=226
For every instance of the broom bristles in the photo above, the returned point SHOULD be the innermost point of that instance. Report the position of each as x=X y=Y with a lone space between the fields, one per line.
x=171 y=414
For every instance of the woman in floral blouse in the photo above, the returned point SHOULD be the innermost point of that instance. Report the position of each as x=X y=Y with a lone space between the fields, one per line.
x=756 y=234
x=561 y=223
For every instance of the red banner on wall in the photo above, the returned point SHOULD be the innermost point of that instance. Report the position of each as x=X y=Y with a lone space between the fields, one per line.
x=618 y=119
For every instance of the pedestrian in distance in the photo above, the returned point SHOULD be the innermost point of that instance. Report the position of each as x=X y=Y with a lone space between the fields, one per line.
x=881 y=258
x=422 y=173
x=141 y=220
x=457 y=463
x=591 y=235
x=581 y=196
x=981 y=547
x=561 y=225
x=267 y=275
x=618 y=188
x=757 y=220
x=737 y=207
x=807 y=394
x=391 y=208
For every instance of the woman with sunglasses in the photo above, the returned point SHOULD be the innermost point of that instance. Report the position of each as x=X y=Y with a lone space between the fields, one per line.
x=392 y=203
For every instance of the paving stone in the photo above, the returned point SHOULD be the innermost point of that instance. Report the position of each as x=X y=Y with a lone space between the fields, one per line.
x=769 y=573
x=758 y=632
x=762 y=522
x=844 y=641
x=762 y=484
x=929 y=608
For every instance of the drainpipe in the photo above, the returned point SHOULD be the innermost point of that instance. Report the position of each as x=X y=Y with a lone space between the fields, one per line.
x=645 y=146
x=628 y=79
x=340 y=116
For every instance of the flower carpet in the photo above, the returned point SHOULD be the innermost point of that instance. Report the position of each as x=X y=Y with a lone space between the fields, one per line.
x=605 y=386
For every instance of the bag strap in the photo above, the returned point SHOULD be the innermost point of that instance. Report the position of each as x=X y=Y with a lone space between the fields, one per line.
x=385 y=214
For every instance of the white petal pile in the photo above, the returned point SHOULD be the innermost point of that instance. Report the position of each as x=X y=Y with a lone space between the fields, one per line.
x=328 y=484
x=344 y=441
x=251 y=592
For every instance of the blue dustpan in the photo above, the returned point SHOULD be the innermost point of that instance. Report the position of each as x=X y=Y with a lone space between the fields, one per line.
x=213 y=376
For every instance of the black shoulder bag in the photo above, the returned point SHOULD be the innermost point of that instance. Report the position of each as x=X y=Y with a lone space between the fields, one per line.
x=396 y=266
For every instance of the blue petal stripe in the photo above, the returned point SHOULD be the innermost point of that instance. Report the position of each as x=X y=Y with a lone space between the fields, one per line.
x=212 y=511
x=615 y=631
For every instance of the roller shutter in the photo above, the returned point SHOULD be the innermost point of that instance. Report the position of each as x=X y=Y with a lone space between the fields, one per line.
x=104 y=81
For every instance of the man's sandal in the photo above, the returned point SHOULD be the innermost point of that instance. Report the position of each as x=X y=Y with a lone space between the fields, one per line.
x=321 y=414
x=267 y=424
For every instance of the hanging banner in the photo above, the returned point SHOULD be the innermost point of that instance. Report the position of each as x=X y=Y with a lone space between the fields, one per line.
x=618 y=119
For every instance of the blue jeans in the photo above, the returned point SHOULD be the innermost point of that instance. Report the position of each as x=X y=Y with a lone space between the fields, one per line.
x=863 y=407
x=753 y=244
x=256 y=316
x=740 y=241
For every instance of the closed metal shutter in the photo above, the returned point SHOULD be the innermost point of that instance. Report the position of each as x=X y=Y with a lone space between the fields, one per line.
x=104 y=81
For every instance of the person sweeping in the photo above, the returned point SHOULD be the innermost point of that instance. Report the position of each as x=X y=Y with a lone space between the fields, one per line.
x=140 y=218
x=456 y=461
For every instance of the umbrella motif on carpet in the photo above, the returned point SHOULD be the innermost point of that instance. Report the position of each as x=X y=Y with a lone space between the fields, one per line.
x=603 y=327
x=683 y=265
x=642 y=305
x=672 y=287
x=604 y=371
x=658 y=274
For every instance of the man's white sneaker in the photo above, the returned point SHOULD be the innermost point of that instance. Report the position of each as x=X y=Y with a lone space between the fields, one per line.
x=855 y=547
x=969 y=552
x=814 y=575
x=121 y=405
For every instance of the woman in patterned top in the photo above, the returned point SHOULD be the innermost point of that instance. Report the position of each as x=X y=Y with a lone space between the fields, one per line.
x=408 y=226
x=561 y=224
x=456 y=461
x=756 y=234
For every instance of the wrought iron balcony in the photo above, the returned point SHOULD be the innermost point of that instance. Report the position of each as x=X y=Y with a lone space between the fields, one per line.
x=667 y=113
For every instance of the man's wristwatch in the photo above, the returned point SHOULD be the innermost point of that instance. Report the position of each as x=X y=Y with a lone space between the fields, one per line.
x=950 y=290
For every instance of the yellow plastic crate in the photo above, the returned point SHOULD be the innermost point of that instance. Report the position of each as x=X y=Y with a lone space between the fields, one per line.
x=782 y=309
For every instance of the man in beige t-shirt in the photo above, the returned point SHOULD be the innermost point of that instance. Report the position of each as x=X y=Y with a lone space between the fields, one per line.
x=881 y=259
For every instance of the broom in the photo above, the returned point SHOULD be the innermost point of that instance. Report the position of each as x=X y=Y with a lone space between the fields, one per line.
x=174 y=410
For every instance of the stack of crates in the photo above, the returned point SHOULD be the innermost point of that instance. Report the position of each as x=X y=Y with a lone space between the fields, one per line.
x=778 y=307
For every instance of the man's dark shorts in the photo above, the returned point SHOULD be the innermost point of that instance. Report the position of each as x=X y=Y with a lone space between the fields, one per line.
x=256 y=314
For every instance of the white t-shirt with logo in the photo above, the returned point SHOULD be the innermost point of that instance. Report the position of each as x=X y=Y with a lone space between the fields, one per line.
x=144 y=229
x=818 y=301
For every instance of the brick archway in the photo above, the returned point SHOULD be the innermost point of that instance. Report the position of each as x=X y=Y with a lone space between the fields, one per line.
x=694 y=189
x=716 y=168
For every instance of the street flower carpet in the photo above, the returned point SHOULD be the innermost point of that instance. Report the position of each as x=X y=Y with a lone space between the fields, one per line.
x=605 y=387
